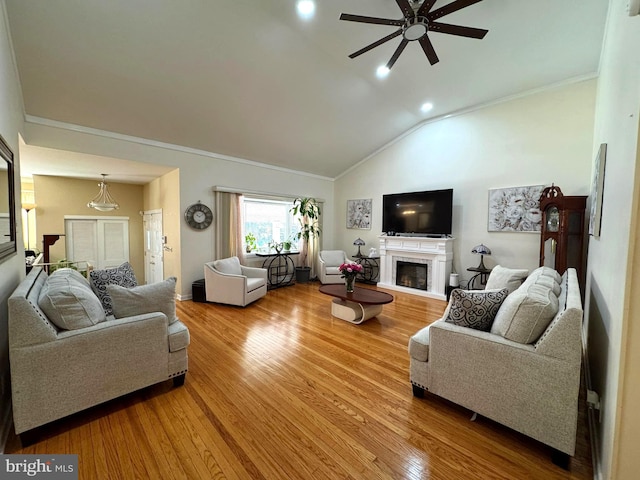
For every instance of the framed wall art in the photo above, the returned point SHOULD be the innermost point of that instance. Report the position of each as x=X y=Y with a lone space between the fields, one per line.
x=515 y=209
x=359 y=214
x=597 y=187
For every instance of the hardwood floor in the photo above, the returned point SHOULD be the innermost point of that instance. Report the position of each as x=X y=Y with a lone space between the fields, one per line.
x=281 y=390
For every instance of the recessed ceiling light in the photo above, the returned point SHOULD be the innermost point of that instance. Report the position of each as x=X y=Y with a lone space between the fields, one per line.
x=382 y=71
x=426 y=107
x=306 y=8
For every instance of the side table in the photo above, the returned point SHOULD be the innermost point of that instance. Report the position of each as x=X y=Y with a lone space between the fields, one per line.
x=370 y=269
x=480 y=275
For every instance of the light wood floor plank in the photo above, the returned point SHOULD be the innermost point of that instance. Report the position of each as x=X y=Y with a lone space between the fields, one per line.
x=282 y=390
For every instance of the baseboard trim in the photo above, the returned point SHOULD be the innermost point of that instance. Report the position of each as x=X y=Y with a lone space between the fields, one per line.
x=592 y=415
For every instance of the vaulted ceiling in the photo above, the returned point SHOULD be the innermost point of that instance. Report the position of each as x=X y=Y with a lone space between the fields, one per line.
x=250 y=79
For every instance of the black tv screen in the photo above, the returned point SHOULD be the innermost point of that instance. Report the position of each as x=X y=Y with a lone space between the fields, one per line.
x=424 y=213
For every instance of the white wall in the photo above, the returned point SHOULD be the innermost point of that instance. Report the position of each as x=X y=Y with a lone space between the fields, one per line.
x=199 y=173
x=539 y=139
x=12 y=270
x=613 y=333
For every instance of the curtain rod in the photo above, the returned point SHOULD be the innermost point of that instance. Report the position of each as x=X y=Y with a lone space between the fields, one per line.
x=243 y=191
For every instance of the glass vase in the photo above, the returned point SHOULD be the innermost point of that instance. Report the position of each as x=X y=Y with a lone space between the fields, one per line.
x=349 y=281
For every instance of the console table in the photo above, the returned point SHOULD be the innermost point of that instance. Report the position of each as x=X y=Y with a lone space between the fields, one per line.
x=281 y=269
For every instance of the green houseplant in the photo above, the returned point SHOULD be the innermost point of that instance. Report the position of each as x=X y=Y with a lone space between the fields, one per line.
x=308 y=212
x=250 y=242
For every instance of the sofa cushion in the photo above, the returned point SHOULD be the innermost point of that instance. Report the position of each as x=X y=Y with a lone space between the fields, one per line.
x=69 y=303
x=475 y=308
x=526 y=313
x=333 y=258
x=229 y=265
x=332 y=271
x=155 y=297
x=122 y=275
x=509 y=278
x=419 y=345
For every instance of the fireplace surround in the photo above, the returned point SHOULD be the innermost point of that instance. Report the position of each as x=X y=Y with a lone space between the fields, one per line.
x=436 y=254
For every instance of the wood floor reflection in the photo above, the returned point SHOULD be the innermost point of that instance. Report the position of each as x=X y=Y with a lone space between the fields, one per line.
x=281 y=390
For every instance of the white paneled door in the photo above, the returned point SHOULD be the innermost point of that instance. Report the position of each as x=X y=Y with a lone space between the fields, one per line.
x=153 y=247
x=103 y=241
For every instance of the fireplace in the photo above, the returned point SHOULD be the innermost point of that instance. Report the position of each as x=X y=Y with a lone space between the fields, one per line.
x=412 y=275
x=429 y=258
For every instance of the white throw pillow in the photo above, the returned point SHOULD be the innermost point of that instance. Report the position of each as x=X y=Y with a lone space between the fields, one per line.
x=155 y=297
x=509 y=278
x=229 y=265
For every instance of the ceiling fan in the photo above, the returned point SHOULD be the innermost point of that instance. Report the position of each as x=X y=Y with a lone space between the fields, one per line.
x=418 y=21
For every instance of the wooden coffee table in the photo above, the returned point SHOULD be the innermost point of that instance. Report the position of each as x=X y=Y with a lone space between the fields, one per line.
x=357 y=306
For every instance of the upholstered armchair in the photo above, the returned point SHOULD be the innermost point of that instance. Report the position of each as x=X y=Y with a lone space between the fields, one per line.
x=227 y=281
x=329 y=261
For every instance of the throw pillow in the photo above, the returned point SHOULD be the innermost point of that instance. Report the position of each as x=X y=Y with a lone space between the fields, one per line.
x=229 y=265
x=69 y=303
x=526 y=313
x=475 y=308
x=122 y=275
x=509 y=278
x=155 y=297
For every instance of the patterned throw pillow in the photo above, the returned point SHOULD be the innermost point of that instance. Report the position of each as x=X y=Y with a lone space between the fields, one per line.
x=475 y=308
x=122 y=275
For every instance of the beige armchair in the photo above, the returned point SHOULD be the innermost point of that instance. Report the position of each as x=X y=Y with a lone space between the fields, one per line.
x=227 y=281
x=329 y=261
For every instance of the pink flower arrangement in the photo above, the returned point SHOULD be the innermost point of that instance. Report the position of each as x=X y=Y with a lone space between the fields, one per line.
x=350 y=269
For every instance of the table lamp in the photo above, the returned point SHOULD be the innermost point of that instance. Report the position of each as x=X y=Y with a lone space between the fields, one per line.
x=481 y=250
x=359 y=242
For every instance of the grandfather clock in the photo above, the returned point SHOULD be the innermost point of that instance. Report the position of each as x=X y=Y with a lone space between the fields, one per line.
x=562 y=239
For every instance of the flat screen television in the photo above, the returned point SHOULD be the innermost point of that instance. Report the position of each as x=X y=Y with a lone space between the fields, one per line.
x=421 y=213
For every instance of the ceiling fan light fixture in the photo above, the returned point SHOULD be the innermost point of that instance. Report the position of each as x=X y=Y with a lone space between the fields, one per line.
x=103 y=202
x=415 y=28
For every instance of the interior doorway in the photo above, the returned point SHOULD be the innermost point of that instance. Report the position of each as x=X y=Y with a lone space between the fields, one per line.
x=153 y=246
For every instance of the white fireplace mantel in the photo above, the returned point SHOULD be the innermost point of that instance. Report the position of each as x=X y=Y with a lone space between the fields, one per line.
x=438 y=252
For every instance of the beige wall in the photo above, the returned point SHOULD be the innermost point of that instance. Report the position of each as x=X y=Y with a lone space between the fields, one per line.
x=4 y=188
x=164 y=194
x=60 y=196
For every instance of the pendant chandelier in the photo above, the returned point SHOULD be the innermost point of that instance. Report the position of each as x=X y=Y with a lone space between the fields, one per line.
x=103 y=202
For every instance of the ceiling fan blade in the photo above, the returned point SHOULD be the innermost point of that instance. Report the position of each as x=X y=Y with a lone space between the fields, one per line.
x=376 y=44
x=425 y=7
x=406 y=8
x=397 y=53
x=450 y=8
x=377 y=21
x=457 y=30
x=426 y=45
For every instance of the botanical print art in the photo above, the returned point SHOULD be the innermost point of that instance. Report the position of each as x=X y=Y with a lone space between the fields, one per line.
x=515 y=209
x=359 y=214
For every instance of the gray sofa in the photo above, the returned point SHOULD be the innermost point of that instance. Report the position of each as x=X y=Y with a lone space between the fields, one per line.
x=74 y=357
x=524 y=372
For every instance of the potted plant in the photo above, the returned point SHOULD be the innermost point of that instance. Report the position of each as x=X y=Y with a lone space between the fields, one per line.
x=250 y=242
x=308 y=212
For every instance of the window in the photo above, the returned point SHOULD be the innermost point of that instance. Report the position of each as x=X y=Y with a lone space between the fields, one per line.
x=269 y=220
